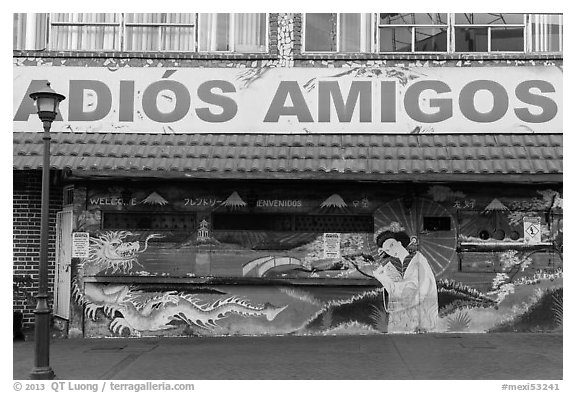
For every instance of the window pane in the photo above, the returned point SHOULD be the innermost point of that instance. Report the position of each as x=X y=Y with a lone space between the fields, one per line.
x=355 y=32
x=30 y=31
x=413 y=19
x=178 y=39
x=350 y=32
x=395 y=39
x=143 y=18
x=83 y=34
x=507 y=39
x=85 y=37
x=180 y=18
x=86 y=18
x=250 y=32
x=431 y=40
x=471 y=39
x=546 y=33
x=142 y=38
x=214 y=32
x=158 y=37
x=489 y=19
x=320 y=32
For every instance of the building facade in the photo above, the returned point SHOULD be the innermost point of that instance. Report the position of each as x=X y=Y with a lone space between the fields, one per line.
x=257 y=174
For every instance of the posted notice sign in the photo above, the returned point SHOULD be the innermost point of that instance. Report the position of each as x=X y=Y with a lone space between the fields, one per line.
x=80 y=244
x=532 y=230
x=331 y=245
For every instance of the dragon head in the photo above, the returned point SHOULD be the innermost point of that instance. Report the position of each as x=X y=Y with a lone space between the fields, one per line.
x=111 y=251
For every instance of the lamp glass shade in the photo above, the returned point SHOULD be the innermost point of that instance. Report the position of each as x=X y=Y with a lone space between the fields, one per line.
x=47 y=104
x=47 y=101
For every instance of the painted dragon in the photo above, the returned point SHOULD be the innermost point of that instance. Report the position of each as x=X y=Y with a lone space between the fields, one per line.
x=135 y=310
x=113 y=252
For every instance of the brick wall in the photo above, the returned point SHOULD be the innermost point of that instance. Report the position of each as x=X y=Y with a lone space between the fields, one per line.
x=26 y=234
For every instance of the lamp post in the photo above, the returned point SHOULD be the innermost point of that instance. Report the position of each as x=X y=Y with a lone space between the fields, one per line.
x=47 y=101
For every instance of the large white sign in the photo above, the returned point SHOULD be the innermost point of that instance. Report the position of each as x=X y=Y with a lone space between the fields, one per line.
x=297 y=100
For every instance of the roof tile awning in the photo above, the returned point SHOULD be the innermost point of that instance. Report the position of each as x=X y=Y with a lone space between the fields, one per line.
x=371 y=157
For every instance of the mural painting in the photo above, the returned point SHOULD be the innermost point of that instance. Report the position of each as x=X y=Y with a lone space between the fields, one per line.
x=134 y=310
x=410 y=273
x=409 y=282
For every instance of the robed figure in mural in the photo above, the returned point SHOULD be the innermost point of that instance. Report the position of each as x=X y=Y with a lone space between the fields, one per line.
x=410 y=295
x=409 y=283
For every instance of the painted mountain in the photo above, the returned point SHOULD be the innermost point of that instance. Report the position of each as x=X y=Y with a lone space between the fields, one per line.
x=155 y=199
x=234 y=200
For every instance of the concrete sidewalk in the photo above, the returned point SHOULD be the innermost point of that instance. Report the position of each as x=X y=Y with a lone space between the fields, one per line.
x=509 y=356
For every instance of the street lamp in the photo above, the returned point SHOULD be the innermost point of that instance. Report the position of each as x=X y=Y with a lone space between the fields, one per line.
x=47 y=101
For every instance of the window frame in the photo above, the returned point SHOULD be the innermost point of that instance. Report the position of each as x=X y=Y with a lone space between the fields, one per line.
x=231 y=38
x=370 y=35
x=525 y=26
x=373 y=35
x=122 y=25
x=450 y=27
x=51 y=23
x=530 y=33
x=413 y=28
x=126 y=25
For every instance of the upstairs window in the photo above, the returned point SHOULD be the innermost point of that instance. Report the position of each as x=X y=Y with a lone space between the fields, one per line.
x=545 y=32
x=30 y=31
x=412 y=32
x=157 y=32
x=433 y=33
x=85 y=31
x=160 y=32
x=232 y=32
x=338 y=33
x=489 y=32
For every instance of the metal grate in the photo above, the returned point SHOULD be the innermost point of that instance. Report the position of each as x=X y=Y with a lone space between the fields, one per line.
x=184 y=222
x=68 y=196
x=293 y=222
x=342 y=224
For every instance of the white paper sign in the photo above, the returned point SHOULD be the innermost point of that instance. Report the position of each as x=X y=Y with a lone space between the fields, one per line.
x=532 y=230
x=80 y=244
x=331 y=245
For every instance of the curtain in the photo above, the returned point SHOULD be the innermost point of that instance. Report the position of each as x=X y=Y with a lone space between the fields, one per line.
x=30 y=31
x=179 y=38
x=355 y=33
x=214 y=32
x=154 y=32
x=547 y=33
x=142 y=38
x=250 y=32
x=84 y=33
